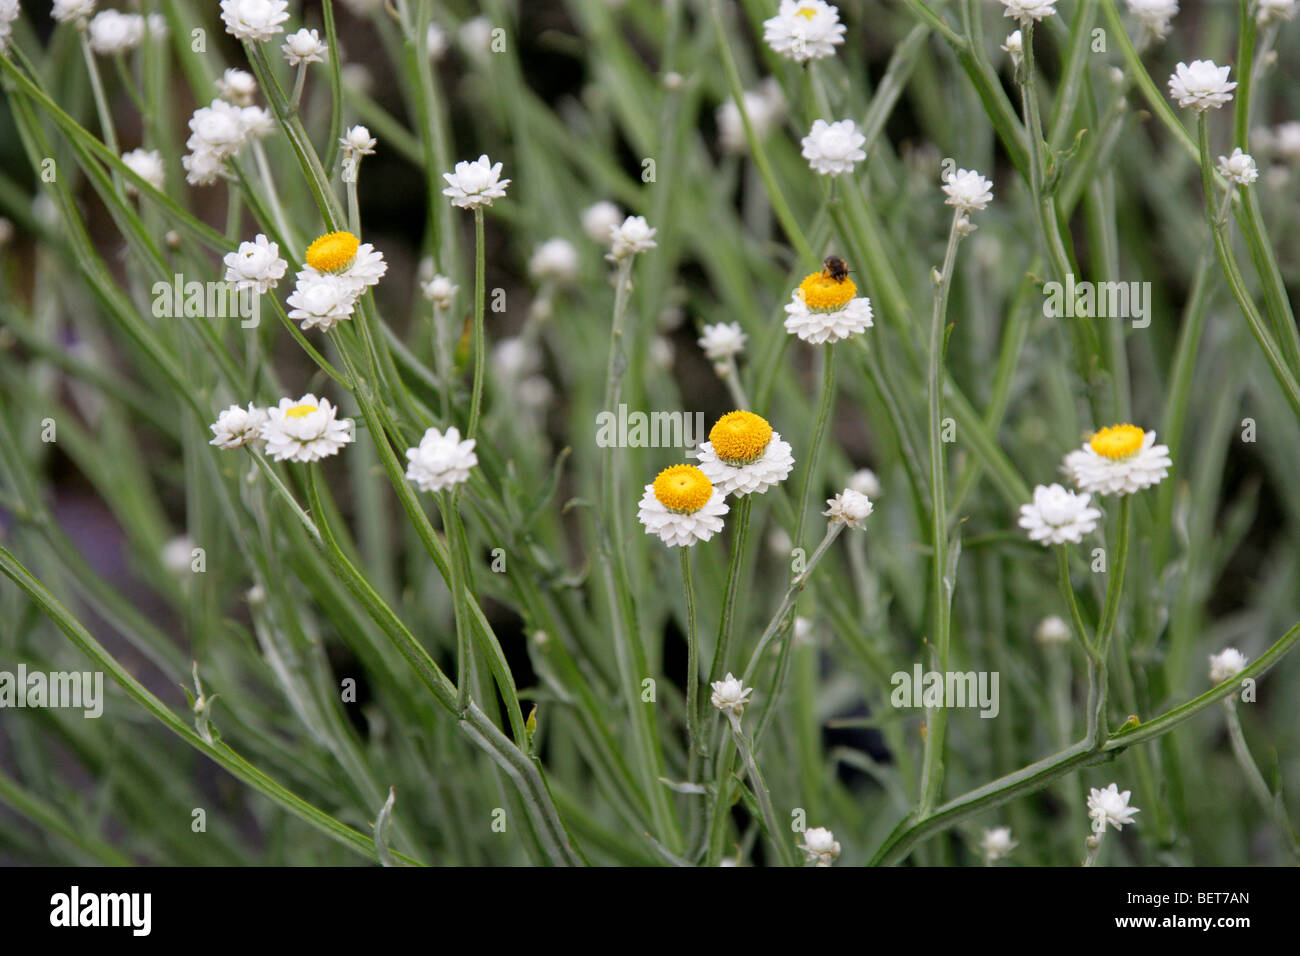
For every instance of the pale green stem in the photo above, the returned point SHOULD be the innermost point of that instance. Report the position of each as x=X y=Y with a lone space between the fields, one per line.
x=1270 y=803
x=476 y=399
x=692 y=655
x=770 y=822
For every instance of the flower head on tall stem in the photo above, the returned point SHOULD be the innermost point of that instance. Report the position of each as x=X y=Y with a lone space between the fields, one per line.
x=73 y=11
x=304 y=429
x=1154 y=15
x=1275 y=11
x=633 y=235
x=967 y=191
x=849 y=508
x=441 y=460
x=1239 y=168
x=744 y=455
x=1203 y=85
x=304 y=47
x=1057 y=516
x=820 y=846
x=996 y=844
x=730 y=695
x=1027 y=11
x=722 y=341
x=1110 y=806
x=826 y=308
x=682 y=506
x=254 y=20
x=834 y=148
x=1119 y=460
x=475 y=184
x=804 y=30
x=1226 y=664
x=255 y=265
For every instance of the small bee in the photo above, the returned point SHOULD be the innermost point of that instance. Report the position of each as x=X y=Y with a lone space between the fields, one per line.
x=836 y=268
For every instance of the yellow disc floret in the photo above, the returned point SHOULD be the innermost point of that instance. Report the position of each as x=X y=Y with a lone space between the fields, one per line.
x=1118 y=441
x=740 y=437
x=332 y=251
x=300 y=411
x=806 y=12
x=821 y=293
x=683 y=488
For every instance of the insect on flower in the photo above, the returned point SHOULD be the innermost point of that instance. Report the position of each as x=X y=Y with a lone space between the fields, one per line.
x=836 y=268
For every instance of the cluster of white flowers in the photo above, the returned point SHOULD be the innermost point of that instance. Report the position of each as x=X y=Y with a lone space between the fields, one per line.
x=8 y=14
x=475 y=184
x=764 y=107
x=1056 y=516
x=217 y=132
x=833 y=148
x=254 y=21
x=441 y=460
x=148 y=165
x=304 y=429
x=339 y=268
x=112 y=31
x=804 y=30
x=72 y=11
x=1275 y=11
x=1203 y=85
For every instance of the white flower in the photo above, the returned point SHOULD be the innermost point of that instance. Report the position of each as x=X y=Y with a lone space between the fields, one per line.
x=1056 y=516
x=1110 y=806
x=997 y=843
x=178 y=555
x=722 y=341
x=682 y=506
x=238 y=426
x=155 y=25
x=1286 y=141
x=764 y=107
x=112 y=31
x=1202 y=86
x=8 y=14
x=1052 y=630
x=1024 y=10
x=816 y=325
x=65 y=10
x=865 y=482
x=1275 y=11
x=304 y=430
x=357 y=141
x=1239 y=167
x=254 y=20
x=730 y=695
x=475 y=37
x=203 y=168
x=217 y=131
x=513 y=358
x=1225 y=665
x=441 y=460
x=440 y=291
x=833 y=148
x=967 y=191
x=804 y=30
x=1154 y=14
x=555 y=260
x=1014 y=47
x=237 y=86
x=436 y=42
x=820 y=846
x=475 y=184
x=633 y=236
x=850 y=507
x=148 y=165
x=321 y=299
x=599 y=220
x=662 y=352
x=255 y=265
x=257 y=121
x=305 y=46
x=744 y=455
x=1119 y=460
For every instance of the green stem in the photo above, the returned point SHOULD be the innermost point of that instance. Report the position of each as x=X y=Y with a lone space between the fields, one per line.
x=476 y=400
x=1067 y=592
x=739 y=536
x=692 y=655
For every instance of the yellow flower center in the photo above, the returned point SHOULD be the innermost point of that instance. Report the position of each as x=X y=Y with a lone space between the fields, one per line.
x=1118 y=441
x=300 y=411
x=683 y=488
x=824 y=294
x=332 y=251
x=739 y=438
x=806 y=12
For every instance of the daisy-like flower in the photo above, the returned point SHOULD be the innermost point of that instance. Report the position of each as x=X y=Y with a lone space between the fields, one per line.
x=69 y=10
x=730 y=695
x=599 y=220
x=1014 y=47
x=441 y=460
x=305 y=46
x=1226 y=664
x=357 y=141
x=1026 y=10
x=112 y=31
x=1056 y=516
x=764 y=107
x=238 y=426
x=804 y=30
x=304 y=430
x=1275 y=11
x=1110 y=806
x=633 y=235
x=1119 y=460
x=849 y=507
x=820 y=846
x=744 y=455
x=1154 y=15
x=1052 y=630
x=1239 y=167
x=439 y=290
x=682 y=506
x=554 y=261
x=342 y=254
x=1202 y=86
x=237 y=86
x=475 y=184
x=722 y=341
x=833 y=148
x=321 y=299
x=148 y=165
x=254 y=20
x=865 y=482
x=825 y=309
x=255 y=265
x=997 y=843
x=967 y=191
